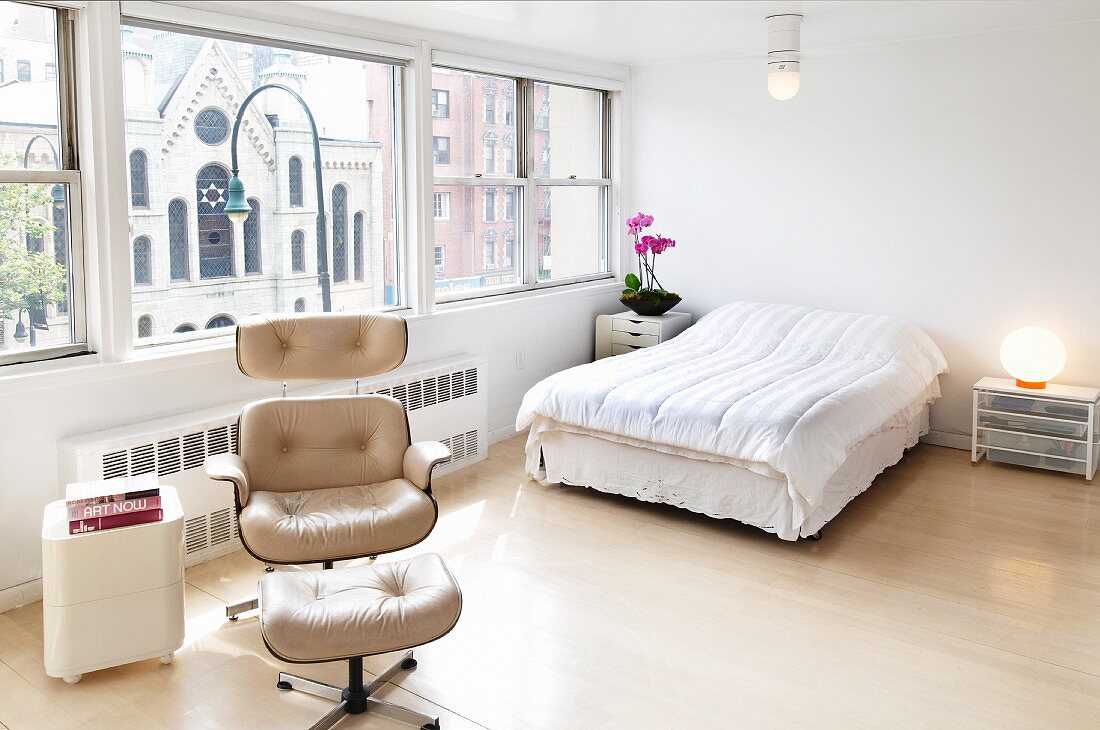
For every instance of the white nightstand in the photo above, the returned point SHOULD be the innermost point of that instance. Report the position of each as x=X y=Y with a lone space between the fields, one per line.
x=111 y=597
x=1050 y=428
x=626 y=331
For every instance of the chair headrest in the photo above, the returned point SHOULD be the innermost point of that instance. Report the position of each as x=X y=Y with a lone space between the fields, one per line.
x=335 y=346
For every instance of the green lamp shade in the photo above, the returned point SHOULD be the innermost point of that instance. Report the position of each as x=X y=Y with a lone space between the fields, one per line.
x=237 y=208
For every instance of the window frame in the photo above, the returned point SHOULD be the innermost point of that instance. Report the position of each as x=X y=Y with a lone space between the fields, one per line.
x=69 y=175
x=526 y=184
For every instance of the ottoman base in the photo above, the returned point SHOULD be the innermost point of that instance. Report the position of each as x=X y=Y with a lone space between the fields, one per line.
x=357 y=698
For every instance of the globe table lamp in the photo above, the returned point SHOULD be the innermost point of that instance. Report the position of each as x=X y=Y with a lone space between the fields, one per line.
x=1033 y=356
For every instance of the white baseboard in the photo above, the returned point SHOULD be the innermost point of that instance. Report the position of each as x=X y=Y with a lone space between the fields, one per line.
x=503 y=433
x=948 y=439
x=20 y=595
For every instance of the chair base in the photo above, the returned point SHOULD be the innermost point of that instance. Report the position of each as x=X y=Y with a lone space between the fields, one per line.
x=248 y=604
x=357 y=698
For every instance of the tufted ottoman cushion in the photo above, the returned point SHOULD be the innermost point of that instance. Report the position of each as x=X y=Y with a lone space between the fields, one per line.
x=320 y=616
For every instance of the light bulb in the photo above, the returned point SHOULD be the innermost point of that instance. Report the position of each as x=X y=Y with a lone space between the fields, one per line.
x=1033 y=355
x=783 y=85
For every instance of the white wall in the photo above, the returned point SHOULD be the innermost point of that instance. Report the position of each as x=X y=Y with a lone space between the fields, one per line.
x=951 y=182
x=553 y=331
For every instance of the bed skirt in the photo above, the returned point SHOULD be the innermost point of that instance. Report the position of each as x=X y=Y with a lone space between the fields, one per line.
x=720 y=490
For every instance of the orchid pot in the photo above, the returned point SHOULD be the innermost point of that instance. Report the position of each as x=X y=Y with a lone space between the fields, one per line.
x=644 y=294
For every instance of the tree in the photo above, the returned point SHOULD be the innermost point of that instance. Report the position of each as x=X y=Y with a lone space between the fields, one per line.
x=28 y=279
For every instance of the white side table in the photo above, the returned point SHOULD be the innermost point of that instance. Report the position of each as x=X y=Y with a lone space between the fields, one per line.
x=626 y=331
x=1048 y=428
x=111 y=597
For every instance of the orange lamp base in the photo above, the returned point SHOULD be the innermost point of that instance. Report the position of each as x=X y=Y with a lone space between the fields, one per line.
x=1028 y=384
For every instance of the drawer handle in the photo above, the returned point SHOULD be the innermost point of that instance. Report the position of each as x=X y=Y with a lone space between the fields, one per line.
x=635 y=321
x=635 y=334
x=636 y=347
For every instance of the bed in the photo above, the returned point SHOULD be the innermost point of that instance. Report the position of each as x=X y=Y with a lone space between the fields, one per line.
x=770 y=414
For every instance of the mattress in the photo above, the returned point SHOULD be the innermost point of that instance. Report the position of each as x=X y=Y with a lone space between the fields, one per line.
x=746 y=493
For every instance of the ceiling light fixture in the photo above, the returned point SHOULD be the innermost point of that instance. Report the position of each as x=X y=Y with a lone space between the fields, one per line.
x=784 y=43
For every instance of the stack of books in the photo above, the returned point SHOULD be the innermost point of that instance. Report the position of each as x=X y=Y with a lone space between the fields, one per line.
x=111 y=503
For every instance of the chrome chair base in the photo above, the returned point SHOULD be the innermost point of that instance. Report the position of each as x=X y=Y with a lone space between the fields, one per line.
x=357 y=698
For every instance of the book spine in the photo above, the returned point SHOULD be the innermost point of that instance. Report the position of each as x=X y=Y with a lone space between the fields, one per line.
x=104 y=498
x=109 y=509
x=96 y=524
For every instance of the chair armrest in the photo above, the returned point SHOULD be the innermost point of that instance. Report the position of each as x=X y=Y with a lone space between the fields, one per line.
x=229 y=468
x=421 y=458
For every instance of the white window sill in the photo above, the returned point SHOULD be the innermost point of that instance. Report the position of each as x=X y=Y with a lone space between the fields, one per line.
x=83 y=369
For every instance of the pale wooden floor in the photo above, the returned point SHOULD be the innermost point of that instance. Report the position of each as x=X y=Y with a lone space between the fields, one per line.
x=946 y=596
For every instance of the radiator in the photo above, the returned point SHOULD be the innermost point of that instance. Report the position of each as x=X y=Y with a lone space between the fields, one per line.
x=444 y=399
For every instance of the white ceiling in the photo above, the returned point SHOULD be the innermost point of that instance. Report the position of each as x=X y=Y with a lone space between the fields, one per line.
x=650 y=32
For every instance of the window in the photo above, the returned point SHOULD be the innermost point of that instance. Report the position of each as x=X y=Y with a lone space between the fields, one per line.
x=179 y=253
x=205 y=255
x=357 y=246
x=298 y=252
x=490 y=204
x=42 y=313
x=439 y=261
x=212 y=126
x=186 y=327
x=222 y=320
x=51 y=70
x=2 y=77
x=490 y=248
x=295 y=183
x=441 y=206
x=490 y=142
x=441 y=103
x=215 y=228
x=145 y=326
x=339 y=233
x=299 y=305
x=441 y=150
x=143 y=261
x=139 y=179
x=252 y=252
x=563 y=155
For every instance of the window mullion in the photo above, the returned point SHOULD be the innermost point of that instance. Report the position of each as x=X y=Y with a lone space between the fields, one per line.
x=525 y=123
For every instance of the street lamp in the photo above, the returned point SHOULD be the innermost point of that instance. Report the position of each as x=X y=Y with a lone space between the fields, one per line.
x=237 y=207
x=27 y=151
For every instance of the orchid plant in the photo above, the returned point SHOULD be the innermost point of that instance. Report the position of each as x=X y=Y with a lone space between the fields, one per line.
x=648 y=248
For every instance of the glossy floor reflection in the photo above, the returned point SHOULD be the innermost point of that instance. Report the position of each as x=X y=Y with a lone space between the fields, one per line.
x=947 y=596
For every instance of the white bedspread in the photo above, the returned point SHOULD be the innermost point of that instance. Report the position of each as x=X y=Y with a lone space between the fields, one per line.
x=793 y=388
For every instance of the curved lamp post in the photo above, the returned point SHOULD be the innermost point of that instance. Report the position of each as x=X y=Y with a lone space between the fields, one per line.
x=237 y=207
x=58 y=194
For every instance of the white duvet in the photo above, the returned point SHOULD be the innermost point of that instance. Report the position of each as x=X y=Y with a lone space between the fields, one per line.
x=788 y=388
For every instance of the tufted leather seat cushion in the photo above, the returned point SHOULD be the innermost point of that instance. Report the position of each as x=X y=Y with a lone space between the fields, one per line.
x=330 y=346
x=320 y=616
x=341 y=522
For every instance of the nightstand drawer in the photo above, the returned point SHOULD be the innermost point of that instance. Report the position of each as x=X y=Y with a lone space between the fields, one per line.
x=619 y=324
x=630 y=338
x=623 y=349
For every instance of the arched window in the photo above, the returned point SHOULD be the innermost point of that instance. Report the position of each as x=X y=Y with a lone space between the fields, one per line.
x=145 y=326
x=178 y=255
x=357 y=245
x=339 y=233
x=222 y=320
x=296 y=196
x=252 y=255
x=215 y=230
x=139 y=179
x=299 y=305
x=185 y=327
x=490 y=240
x=298 y=251
x=143 y=261
x=490 y=141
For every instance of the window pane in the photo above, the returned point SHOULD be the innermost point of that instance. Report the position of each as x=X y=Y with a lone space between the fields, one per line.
x=35 y=256
x=567 y=136
x=29 y=96
x=472 y=249
x=197 y=251
x=478 y=126
x=570 y=232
